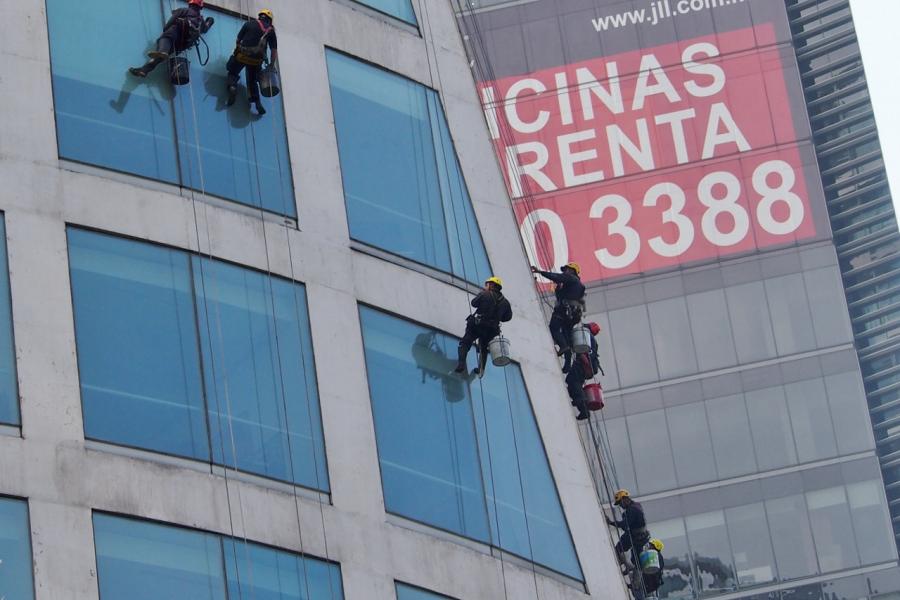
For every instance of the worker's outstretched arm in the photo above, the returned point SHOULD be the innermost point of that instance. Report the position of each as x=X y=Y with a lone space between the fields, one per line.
x=554 y=277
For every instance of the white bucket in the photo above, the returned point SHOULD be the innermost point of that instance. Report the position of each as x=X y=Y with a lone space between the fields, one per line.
x=499 y=348
x=581 y=339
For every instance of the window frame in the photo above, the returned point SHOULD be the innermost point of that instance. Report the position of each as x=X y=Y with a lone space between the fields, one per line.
x=147 y=453
x=492 y=546
x=30 y=538
x=384 y=253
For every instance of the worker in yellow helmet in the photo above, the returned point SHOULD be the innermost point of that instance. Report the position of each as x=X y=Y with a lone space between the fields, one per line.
x=650 y=580
x=491 y=308
x=253 y=40
x=633 y=525
x=569 y=307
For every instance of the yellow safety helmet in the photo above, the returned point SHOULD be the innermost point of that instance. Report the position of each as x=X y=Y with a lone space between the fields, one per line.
x=574 y=266
x=495 y=280
x=619 y=495
x=267 y=13
x=657 y=544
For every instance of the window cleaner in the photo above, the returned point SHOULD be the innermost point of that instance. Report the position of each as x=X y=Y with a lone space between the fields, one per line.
x=181 y=32
x=569 y=307
x=633 y=525
x=253 y=40
x=491 y=308
x=585 y=367
x=650 y=579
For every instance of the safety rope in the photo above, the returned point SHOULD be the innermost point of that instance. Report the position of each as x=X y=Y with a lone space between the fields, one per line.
x=245 y=6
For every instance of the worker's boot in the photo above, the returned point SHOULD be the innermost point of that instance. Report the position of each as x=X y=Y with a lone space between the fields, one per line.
x=460 y=360
x=163 y=48
x=232 y=94
x=259 y=107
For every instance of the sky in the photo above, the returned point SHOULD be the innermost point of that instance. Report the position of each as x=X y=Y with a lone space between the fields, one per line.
x=877 y=23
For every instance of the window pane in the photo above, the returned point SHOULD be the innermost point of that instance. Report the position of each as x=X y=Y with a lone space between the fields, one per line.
x=521 y=494
x=789 y=527
x=771 y=428
x=791 y=320
x=811 y=420
x=402 y=185
x=146 y=561
x=871 y=522
x=630 y=328
x=847 y=401
x=616 y=432
x=16 y=577
x=9 y=395
x=750 y=321
x=424 y=426
x=677 y=579
x=691 y=446
x=748 y=530
x=729 y=427
x=260 y=573
x=402 y=9
x=652 y=456
x=832 y=531
x=104 y=116
x=407 y=592
x=137 y=345
x=712 y=554
x=243 y=157
x=711 y=330
x=672 y=337
x=109 y=118
x=432 y=438
x=260 y=374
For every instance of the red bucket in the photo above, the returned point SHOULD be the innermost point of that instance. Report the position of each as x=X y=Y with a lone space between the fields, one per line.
x=594 y=394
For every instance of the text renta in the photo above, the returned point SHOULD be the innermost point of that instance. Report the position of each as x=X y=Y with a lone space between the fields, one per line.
x=647 y=159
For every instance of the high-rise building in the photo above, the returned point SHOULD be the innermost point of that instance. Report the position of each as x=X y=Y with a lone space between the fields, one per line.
x=227 y=340
x=714 y=167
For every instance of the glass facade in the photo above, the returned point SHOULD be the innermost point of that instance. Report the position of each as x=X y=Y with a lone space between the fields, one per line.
x=463 y=456
x=403 y=186
x=408 y=592
x=194 y=357
x=16 y=574
x=186 y=135
x=9 y=388
x=138 y=560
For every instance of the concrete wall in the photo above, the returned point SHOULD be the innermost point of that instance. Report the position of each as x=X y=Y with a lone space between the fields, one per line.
x=64 y=478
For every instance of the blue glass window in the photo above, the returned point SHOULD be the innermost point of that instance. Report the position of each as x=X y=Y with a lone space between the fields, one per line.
x=168 y=342
x=402 y=9
x=403 y=187
x=108 y=118
x=16 y=577
x=137 y=560
x=460 y=456
x=408 y=592
x=9 y=390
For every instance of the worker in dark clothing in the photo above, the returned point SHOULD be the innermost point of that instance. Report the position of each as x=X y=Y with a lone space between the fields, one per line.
x=633 y=525
x=491 y=308
x=585 y=367
x=569 y=307
x=253 y=41
x=181 y=32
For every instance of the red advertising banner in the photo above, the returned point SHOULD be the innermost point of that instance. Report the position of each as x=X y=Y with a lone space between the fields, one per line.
x=646 y=159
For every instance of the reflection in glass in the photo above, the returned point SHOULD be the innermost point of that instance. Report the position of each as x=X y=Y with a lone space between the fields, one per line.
x=403 y=187
x=402 y=9
x=729 y=427
x=691 y=445
x=260 y=573
x=15 y=551
x=829 y=515
x=9 y=394
x=771 y=427
x=811 y=420
x=678 y=581
x=748 y=530
x=147 y=318
x=453 y=458
x=108 y=118
x=792 y=540
x=871 y=522
x=708 y=539
x=408 y=592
